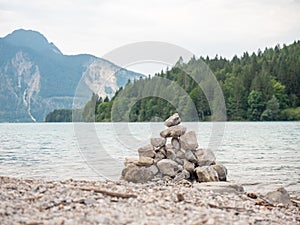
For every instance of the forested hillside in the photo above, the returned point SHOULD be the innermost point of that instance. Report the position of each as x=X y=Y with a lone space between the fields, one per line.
x=258 y=86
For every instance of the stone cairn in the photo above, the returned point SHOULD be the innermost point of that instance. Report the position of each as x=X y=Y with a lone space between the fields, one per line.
x=181 y=159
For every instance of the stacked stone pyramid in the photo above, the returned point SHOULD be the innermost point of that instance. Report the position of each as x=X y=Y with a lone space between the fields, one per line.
x=175 y=154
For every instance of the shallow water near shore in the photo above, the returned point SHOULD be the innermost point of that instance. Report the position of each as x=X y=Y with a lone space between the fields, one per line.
x=261 y=156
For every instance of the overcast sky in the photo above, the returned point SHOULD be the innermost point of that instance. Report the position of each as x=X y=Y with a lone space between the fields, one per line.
x=204 y=27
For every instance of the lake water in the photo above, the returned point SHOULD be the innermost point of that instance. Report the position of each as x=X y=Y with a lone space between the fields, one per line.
x=259 y=155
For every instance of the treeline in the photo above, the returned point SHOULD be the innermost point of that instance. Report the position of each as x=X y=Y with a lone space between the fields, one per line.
x=59 y=115
x=261 y=86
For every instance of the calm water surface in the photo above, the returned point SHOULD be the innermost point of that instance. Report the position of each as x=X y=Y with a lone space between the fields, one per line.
x=262 y=156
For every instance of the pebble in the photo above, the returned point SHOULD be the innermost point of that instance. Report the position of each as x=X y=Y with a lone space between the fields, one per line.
x=156 y=202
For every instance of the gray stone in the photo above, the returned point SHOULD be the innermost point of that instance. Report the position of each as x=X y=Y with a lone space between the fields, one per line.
x=221 y=170
x=158 y=143
x=146 y=151
x=180 y=154
x=189 y=166
x=180 y=168
x=175 y=132
x=179 y=161
x=159 y=156
x=167 y=167
x=188 y=141
x=176 y=144
x=280 y=196
x=190 y=156
x=170 y=154
x=206 y=174
x=220 y=187
x=205 y=157
x=173 y=120
x=182 y=176
x=137 y=174
x=153 y=169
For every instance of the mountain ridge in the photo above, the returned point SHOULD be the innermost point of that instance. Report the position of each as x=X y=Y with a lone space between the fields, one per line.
x=36 y=77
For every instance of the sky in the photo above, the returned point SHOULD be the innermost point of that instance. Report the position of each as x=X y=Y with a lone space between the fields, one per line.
x=204 y=27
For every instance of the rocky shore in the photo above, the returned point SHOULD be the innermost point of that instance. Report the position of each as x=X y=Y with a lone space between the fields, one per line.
x=161 y=201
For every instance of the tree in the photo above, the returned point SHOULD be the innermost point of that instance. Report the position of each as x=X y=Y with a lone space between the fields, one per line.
x=256 y=105
x=272 y=110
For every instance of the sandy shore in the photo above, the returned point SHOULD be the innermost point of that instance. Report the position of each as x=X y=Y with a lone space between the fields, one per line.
x=32 y=201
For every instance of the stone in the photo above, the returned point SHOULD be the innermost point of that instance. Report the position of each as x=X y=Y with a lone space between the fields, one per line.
x=170 y=154
x=221 y=170
x=173 y=120
x=129 y=160
x=146 y=151
x=180 y=168
x=167 y=167
x=188 y=166
x=190 y=156
x=205 y=157
x=206 y=174
x=176 y=144
x=137 y=174
x=144 y=161
x=182 y=176
x=188 y=141
x=175 y=131
x=179 y=161
x=153 y=169
x=280 y=196
x=220 y=187
x=180 y=154
x=159 y=156
x=158 y=143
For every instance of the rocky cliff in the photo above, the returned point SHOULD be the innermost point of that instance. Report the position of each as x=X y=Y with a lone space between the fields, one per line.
x=36 y=78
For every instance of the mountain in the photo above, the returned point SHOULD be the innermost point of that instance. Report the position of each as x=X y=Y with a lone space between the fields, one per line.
x=36 y=77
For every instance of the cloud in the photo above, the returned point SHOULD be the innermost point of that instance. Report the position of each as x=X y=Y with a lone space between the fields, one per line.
x=205 y=27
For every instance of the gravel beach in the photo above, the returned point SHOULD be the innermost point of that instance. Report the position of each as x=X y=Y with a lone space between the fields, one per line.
x=36 y=201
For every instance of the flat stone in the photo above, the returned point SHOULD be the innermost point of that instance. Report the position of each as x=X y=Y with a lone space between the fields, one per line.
x=205 y=157
x=146 y=151
x=220 y=187
x=130 y=160
x=158 y=143
x=280 y=196
x=188 y=141
x=144 y=161
x=176 y=144
x=221 y=170
x=206 y=174
x=173 y=120
x=167 y=167
x=175 y=131
x=137 y=174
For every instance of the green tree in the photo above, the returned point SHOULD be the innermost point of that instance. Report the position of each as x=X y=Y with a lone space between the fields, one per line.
x=256 y=105
x=272 y=110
